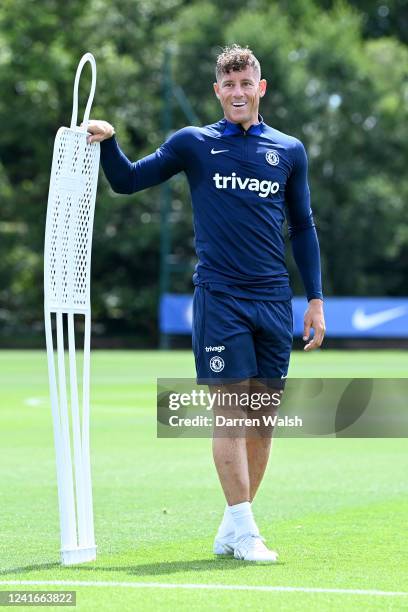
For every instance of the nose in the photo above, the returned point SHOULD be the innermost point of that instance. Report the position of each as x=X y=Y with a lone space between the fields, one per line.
x=238 y=93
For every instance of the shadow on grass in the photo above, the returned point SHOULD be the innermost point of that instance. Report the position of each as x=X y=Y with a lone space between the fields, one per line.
x=28 y=568
x=148 y=569
x=172 y=567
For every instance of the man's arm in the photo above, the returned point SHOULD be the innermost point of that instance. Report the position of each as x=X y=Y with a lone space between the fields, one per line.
x=128 y=177
x=305 y=246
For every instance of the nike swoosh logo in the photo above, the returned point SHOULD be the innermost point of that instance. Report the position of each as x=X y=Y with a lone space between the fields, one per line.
x=363 y=321
x=214 y=152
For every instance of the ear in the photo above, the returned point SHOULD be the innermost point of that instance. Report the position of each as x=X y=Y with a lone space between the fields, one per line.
x=262 y=87
x=217 y=90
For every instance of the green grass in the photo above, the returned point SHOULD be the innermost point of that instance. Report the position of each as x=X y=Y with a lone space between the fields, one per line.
x=335 y=509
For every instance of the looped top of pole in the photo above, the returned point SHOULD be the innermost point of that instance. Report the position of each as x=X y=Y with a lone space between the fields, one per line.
x=88 y=57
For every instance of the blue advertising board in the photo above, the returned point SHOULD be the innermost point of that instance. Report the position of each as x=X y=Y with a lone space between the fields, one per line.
x=346 y=317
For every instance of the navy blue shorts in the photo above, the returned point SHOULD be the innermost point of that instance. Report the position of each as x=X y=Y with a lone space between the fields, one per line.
x=236 y=338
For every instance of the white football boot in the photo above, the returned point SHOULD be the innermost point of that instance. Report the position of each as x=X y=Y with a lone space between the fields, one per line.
x=252 y=548
x=224 y=546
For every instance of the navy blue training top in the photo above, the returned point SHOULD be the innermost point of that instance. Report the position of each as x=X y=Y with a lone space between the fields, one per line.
x=243 y=185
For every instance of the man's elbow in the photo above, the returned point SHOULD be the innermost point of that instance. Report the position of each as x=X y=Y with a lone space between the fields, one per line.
x=121 y=187
x=121 y=190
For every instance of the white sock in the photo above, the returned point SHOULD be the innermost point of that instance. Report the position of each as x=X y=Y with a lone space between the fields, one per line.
x=243 y=518
x=227 y=526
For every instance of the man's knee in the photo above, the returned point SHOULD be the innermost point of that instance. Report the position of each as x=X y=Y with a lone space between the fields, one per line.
x=229 y=409
x=263 y=409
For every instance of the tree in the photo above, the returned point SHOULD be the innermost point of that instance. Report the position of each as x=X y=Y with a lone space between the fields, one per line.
x=336 y=74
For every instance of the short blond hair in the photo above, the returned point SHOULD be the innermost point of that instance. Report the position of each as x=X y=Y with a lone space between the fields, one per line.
x=235 y=58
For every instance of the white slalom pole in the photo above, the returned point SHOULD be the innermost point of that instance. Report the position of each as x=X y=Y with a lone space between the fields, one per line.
x=62 y=497
x=67 y=267
x=76 y=433
x=68 y=538
x=85 y=428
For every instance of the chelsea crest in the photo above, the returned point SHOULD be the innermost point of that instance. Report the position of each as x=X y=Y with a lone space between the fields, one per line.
x=272 y=157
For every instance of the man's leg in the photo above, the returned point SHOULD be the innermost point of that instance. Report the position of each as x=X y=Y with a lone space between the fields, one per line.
x=231 y=461
x=258 y=451
x=229 y=445
x=273 y=343
x=230 y=458
x=258 y=439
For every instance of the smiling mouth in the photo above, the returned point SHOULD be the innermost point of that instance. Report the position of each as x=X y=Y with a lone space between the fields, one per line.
x=238 y=104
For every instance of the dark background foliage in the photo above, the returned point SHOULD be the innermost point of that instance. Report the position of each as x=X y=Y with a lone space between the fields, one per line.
x=338 y=80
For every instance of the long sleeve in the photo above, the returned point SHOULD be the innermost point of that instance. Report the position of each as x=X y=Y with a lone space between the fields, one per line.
x=302 y=231
x=305 y=248
x=128 y=177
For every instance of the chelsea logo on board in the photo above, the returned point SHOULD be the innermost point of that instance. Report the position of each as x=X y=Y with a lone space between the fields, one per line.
x=272 y=157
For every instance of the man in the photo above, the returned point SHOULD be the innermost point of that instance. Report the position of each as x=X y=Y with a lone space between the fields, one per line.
x=244 y=177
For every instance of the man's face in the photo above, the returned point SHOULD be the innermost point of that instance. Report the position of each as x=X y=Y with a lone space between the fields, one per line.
x=239 y=92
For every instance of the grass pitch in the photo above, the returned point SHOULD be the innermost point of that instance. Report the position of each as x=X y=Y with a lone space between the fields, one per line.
x=335 y=509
